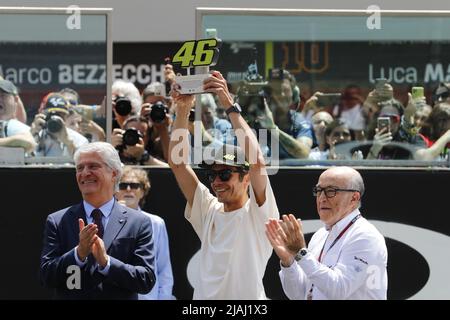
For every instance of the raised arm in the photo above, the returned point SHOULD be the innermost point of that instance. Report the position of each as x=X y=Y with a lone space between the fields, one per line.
x=178 y=155
x=435 y=150
x=245 y=136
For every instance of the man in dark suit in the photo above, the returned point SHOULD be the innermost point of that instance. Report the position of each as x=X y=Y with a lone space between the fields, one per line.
x=98 y=249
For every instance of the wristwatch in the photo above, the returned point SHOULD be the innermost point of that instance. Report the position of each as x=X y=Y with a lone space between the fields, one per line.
x=234 y=108
x=300 y=254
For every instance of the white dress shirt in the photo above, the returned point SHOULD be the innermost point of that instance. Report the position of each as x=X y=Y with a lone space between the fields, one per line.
x=354 y=268
x=106 y=210
x=162 y=290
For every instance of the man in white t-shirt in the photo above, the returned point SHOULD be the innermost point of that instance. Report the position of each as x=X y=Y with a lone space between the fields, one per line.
x=230 y=224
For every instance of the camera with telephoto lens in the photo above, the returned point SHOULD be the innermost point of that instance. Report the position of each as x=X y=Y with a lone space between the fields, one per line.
x=122 y=105
x=53 y=122
x=158 y=111
x=131 y=137
x=251 y=94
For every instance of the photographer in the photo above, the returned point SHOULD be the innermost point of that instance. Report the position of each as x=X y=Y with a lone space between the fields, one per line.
x=131 y=142
x=126 y=101
x=13 y=133
x=81 y=117
x=50 y=130
x=371 y=107
x=292 y=131
x=159 y=121
x=396 y=131
x=269 y=107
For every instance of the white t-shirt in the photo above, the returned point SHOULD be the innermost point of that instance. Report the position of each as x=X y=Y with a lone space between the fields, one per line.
x=353 y=118
x=15 y=127
x=234 y=251
x=50 y=147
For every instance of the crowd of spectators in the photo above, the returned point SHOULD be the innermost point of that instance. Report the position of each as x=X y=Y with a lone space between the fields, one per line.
x=377 y=126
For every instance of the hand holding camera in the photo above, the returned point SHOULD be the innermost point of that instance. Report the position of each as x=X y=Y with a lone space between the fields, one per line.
x=136 y=150
x=383 y=90
x=38 y=124
x=328 y=99
x=122 y=105
x=128 y=142
x=311 y=104
x=117 y=137
x=411 y=109
x=265 y=120
x=382 y=137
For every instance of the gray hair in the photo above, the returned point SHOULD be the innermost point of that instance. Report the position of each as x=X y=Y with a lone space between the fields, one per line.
x=108 y=154
x=356 y=182
x=126 y=88
x=207 y=100
x=353 y=177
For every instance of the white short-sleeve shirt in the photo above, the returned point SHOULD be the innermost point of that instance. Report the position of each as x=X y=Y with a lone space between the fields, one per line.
x=234 y=248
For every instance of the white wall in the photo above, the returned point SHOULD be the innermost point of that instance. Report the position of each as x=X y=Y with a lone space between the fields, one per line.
x=174 y=20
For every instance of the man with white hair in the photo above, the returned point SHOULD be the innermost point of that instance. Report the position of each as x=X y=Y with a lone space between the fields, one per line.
x=346 y=259
x=126 y=101
x=110 y=245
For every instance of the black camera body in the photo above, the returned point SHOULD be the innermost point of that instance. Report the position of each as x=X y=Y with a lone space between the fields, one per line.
x=192 y=115
x=123 y=105
x=158 y=112
x=131 y=137
x=53 y=122
x=251 y=92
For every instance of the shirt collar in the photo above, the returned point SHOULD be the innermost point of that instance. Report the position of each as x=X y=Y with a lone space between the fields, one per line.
x=341 y=224
x=106 y=208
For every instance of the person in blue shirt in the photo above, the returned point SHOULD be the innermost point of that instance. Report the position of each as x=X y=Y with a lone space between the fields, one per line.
x=133 y=189
x=219 y=129
x=277 y=112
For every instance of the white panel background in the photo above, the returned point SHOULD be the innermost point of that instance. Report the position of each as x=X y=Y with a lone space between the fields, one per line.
x=174 y=20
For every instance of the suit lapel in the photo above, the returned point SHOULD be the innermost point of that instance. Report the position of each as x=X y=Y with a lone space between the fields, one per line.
x=116 y=222
x=76 y=212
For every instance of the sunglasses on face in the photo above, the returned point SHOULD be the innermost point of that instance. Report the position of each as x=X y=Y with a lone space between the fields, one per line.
x=224 y=175
x=132 y=185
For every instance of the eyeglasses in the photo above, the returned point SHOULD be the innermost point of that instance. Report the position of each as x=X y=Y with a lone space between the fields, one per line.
x=132 y=185
x=330 y=192
x=224 y=175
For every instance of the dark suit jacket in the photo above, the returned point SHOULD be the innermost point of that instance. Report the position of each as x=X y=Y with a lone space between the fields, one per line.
x=128 y=242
